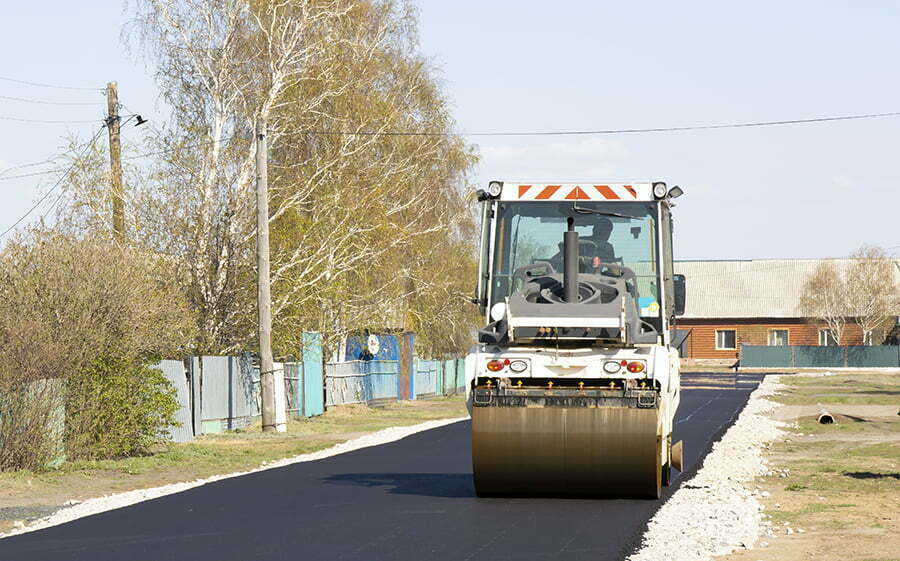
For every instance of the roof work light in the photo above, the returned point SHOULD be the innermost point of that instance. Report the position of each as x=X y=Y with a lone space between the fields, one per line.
x=659 y=190
x=494 y=188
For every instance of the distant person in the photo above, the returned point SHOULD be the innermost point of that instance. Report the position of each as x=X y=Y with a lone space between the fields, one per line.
x=600 y=238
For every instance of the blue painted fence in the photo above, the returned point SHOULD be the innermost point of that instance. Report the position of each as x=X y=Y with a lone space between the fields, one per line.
x=378 y=381
x=361 y=381
x=222 y=392
x=806 y=356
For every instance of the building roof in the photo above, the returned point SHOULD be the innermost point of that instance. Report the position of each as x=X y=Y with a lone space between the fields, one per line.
x=752 y=288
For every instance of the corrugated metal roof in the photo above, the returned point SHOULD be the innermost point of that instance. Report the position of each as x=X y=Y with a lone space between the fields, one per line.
x=753 y=288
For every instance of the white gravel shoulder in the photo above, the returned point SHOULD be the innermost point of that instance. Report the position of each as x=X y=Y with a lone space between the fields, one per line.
x=119 y=500
x=716 y=512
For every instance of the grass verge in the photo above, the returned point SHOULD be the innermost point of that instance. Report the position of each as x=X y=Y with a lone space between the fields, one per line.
x=834 y=491
x=28 y=495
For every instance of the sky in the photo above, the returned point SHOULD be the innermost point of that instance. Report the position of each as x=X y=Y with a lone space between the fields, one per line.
x=812 y=190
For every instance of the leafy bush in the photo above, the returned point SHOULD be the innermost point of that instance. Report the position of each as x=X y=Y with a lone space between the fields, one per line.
x=84 y=316
x=117 y=408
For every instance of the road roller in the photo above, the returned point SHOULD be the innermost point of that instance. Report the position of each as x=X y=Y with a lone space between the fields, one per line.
x=574 y=382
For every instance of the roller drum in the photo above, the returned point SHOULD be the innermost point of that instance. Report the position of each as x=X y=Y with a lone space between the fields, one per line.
x=599 y=451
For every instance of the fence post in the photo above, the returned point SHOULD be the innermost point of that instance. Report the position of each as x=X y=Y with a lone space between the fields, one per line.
x=196 y=409
x=229 y=423
x=301 y=380
x=312 y=374
x=412 y=377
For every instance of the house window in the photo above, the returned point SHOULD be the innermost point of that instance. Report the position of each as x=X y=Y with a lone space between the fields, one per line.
x=826 y=338
x=725 y=340
x=778 y=337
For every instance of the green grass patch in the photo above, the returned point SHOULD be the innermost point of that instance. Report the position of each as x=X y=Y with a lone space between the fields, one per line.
x=851 y=389
x=888 y=450
x=794 y=398
x=779 y=516
x=846 y=425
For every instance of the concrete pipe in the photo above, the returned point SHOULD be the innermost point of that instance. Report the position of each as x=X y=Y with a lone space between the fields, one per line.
x=825 y=418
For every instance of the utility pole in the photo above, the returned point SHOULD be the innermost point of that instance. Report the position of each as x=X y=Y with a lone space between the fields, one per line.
x=115 y=159
x=263 y=293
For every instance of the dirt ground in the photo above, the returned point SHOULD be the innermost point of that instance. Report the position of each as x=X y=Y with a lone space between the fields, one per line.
x=29 y=495
x=834 y=490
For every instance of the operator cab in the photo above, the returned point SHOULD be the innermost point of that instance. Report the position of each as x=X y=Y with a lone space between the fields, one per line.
x=624 y=234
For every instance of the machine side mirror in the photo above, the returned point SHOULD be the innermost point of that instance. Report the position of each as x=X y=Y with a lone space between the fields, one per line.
x=679 y=294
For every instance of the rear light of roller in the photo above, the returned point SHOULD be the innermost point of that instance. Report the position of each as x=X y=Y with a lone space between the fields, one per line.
x=635 y=367
x=495 y=365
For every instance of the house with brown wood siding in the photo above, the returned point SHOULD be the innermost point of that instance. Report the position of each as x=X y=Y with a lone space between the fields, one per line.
x=754 y=302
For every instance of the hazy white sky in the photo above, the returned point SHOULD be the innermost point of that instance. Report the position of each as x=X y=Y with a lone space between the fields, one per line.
x=802 y=191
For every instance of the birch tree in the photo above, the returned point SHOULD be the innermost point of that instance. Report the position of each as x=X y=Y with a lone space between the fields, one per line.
x=872 y=292
x=354 y=233
x=369 y=229
x=222 y=65
x=824 y=299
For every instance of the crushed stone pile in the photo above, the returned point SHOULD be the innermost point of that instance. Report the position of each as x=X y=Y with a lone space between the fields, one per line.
x=716 y=512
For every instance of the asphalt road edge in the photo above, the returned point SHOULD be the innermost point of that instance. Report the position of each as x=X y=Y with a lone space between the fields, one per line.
x=714 y=512
x=115 y=501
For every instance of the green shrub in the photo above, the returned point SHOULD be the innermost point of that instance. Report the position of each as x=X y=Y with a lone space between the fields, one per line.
x=117 y=407
x=80 y=318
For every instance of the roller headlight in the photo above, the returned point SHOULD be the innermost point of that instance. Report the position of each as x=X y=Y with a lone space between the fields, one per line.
x=494 y=188
x=498 y=310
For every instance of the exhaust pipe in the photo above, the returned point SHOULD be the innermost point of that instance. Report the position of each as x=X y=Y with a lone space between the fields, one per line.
x=570 y=268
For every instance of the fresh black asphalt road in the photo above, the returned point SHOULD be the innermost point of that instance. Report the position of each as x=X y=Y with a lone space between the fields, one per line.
x=410 y=500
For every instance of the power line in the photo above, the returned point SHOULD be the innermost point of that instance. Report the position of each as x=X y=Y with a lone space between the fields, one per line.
x=33 y=164
x=133 y=157
x=55 y=86
x=22 y=166
x=4 y=118
x=551 y=133
x=610 y=131
x=613 y=131
x=55 y=185
x=32 y=174
x=43 y=102
x=19 y=119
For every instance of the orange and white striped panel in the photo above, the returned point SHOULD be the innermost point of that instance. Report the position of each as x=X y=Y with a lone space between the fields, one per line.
x=577 y=192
